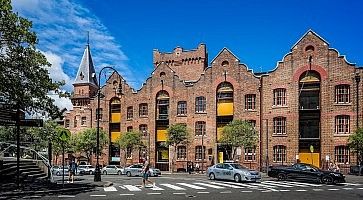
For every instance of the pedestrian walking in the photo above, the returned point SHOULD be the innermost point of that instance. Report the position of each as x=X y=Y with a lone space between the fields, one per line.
x=72 y=171
x=197 y=167
x=146 y=174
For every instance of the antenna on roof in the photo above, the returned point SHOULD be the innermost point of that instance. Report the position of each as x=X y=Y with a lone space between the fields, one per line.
x=87 y=37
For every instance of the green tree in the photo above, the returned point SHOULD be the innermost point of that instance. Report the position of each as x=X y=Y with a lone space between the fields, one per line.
x=86 y=141
x=239 y=133
x=177 y=134
x=355 y=143
x=24 y=77
x=129 y=140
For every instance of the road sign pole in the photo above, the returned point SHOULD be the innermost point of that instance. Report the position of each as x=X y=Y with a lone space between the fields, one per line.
x=63 y=163
x=18 y=146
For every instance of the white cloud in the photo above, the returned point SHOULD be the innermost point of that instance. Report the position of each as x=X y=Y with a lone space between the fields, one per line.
x=56 y=72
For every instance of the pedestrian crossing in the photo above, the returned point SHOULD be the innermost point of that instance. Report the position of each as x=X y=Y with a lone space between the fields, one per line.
x=215 y=186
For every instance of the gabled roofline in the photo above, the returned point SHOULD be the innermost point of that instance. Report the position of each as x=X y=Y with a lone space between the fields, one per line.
x=307 y=32
x=225 y=48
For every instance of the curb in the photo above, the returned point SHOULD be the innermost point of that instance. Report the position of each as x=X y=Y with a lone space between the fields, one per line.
x=22 y=193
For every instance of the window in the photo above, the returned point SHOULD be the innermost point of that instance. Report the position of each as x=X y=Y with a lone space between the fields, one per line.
x=250 y=102
x=181 y=153
x=342 y=94
x=342 y=124
x=75 y=121
x=130 y=112
x=252 y=122
x=143 y=129
x=143 y=110
x=200 y=128
x=128 y=153
x=115 y=127
x=342 y=154
x=198 y=152
x=280 y=97
x=279 y=153
x=200 y=105
x=279 y=125
x=182 y=108
x=83 y=121
x=250 y=154
x=129 y=129
x=67 y=123
x=99 y=113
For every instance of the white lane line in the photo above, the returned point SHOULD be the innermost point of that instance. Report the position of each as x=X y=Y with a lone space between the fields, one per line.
x=110 y=189
x=226 y=192
x=174 y=187
x=265 y=187
x=348 y=188
x=153 y=193
x=241 y=184
x=225 y=185
x=360 y=188
x=132 y=188
x=203 y=192
x=179 y=193
x=246 y=191
x=209 y=185
x=334 y=189
x=156 y=188
x=278 y=184
x=352 y=184
x=97 y=195
x=318 y=190
x=306 y=184
x=300 y=190
x=35 y=196
x=127 y=194
x=284 y=190
x=192 y=186
x=266 y=191
x=66 y=196
x=122 y=187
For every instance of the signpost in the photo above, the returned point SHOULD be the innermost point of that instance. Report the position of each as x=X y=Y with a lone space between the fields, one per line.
x=311 y=154
x=64 y=135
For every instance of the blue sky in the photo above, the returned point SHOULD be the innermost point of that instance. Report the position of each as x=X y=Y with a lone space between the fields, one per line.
x=124 y=33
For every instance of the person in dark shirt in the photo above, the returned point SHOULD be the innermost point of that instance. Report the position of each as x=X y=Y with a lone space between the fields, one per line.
x=72 y=170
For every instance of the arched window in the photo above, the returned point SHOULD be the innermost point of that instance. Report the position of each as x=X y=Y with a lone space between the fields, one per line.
x=225 y=63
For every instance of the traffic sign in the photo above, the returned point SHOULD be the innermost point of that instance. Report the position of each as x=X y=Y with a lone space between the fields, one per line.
x=64 y=135
x=31 y=122
x=311 y=148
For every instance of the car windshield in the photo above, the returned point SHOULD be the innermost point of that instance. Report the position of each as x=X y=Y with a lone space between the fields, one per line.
x=238 y=166
x=118 y=166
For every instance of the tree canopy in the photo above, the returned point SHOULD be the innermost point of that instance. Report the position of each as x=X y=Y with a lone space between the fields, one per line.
x=355 y=143
x=130 y=139
x=24 y=77
x=177 y=134
x=239 y=133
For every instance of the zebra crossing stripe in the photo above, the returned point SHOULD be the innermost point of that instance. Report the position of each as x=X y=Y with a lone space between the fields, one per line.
x=209 y=185
x=156 y=188
x=132 y=188
x=127 y=194
x=266 y=186
x=352 y=184
x=241 y=184
x=229 y=185
x=174 y=187
x=110 y=189
x=262 y=185
x=306 y=184
x=192 y=186
x=276 y=184
x=317 y=190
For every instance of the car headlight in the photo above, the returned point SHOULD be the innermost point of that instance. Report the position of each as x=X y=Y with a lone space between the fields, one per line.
x=246 y=173
x=336 y=174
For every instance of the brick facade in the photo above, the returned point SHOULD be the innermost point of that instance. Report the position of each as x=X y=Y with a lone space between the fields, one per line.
x=184 y=75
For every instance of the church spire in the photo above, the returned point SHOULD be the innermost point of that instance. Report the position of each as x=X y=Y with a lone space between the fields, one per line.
x=86 y=71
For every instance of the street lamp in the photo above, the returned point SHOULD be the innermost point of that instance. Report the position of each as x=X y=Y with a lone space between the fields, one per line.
x=97 y=177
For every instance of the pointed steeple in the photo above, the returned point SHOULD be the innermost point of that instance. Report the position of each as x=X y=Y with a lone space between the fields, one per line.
x=86 y=71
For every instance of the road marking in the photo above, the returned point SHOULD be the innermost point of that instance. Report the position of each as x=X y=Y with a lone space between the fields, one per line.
x=203 y=192
x=316 y=190
x=348 y=188
x=284 y=190
x=241 y=184
x=209 y=185
x=179 y=193
x=300 y=190
x=226 y=192
x=353 y=184
x=97 y=195
x=32 y=197
x=246 y=191
x=154 y=193
x=156 y=188
x=333 y=189
x=122 y=187
x=306 y=184
x=278 y=184
x=265 y=186
x=127 y=194
x=174 y=187
x=222 y=184
x=66 y=196
x=266 y=191
x=110 y=189
x=360 y=188
x=132 y=188
x=192 y=186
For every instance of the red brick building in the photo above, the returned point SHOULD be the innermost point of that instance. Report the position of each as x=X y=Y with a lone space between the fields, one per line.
x=304 y=109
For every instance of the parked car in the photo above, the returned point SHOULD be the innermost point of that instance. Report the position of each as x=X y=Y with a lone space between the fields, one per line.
x=58 y=170
x=88 y=169
x=113 y=169
x=305 y=172
x=136 y=170
x=233 y=171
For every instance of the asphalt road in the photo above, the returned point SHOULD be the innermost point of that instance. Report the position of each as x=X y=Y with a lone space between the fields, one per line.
x=198 y=187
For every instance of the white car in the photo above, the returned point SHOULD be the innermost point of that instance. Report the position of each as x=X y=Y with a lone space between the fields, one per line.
x=88 y=169
x=113 y=169
x=234 y=172
x=136 y=170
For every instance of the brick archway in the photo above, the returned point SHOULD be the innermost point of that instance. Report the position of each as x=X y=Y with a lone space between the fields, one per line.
x=323 y=74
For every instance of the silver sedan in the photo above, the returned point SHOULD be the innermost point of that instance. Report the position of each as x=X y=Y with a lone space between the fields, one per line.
x=234 y=172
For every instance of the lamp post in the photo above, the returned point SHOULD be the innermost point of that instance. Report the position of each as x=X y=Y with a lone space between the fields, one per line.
x=97 y=177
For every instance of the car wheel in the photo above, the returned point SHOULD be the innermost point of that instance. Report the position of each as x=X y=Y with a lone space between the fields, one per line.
x=327 y=180
x=119 y=173
x=128 y=174
x=212 y=176
x=281 y=177
x=237 y=178
x=105 y=172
